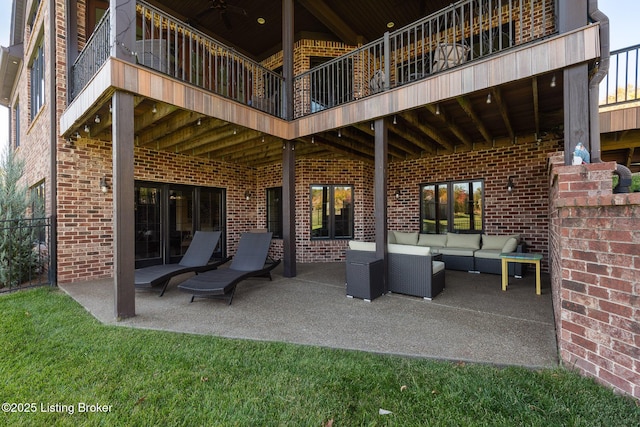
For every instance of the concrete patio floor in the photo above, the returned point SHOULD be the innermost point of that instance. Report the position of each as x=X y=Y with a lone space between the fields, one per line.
x=472 y=320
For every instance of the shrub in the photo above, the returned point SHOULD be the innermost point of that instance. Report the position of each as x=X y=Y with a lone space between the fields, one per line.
x=18 y=260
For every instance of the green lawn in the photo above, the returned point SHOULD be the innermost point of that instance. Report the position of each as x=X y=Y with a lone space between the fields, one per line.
x=57 y=357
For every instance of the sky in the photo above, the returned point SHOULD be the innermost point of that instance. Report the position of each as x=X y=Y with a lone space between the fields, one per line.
x=623 y=16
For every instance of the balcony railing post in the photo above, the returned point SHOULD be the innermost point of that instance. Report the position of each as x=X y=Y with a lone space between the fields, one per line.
x=387 y=60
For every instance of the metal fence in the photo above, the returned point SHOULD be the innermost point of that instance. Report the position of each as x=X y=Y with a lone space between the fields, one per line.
x=621 y=83
x=24 y=253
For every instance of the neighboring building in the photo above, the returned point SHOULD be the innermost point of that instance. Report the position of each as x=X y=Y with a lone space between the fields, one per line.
x=211 y=114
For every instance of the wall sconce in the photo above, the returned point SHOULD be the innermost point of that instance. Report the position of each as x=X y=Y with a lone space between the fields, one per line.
x=397 y=194
x=104 y=187
x=247 y=194
x=510 y=186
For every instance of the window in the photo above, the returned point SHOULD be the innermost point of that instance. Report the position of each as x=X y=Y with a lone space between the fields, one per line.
x=455 y=206
x=37 y=81
x=274 y=211
x=331 y=212
x=95 y=11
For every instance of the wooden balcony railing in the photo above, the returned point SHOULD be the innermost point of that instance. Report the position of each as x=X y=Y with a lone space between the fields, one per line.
x=621 y=84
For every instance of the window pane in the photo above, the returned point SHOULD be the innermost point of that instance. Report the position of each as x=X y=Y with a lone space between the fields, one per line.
x=461 y=208
x=343 y=211
x=443 y=211
x=320 y=211
x=180 y=221
x=274 y=211
x=478 y=208
x=429 y=209
x=147 y=223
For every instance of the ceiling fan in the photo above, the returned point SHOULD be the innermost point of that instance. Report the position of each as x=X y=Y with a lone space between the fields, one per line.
x=222 y=7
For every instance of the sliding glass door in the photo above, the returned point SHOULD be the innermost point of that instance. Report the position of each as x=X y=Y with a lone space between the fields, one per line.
x=167 y=216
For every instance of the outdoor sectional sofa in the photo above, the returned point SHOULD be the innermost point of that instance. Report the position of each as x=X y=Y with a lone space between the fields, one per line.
x=473 y=252
x=412 y=270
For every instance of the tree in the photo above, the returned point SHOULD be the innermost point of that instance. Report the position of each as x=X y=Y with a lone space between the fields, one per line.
x=18 y=261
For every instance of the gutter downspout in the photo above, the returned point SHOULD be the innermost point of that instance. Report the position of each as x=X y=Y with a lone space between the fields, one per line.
x=594 y=83
x=53 y=181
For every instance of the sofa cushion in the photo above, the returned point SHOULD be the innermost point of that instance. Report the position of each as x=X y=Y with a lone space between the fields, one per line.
x=468 y=241
x=497 y=242
x=438 y=240
x=438 y=266
x=408 y=250
x=404 y=238
x=457 y=251
x=362 y=246
x=488 y=253
x=511 y=245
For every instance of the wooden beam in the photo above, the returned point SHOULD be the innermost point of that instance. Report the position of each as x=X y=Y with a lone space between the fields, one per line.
x=441 y=114
x=630 y=156
x=414 y=137
x=397 y=147
x=148 y=136
x=464 y=102
x=502 y=107
x=191 y=134
x=413 y=118
x=536 y=105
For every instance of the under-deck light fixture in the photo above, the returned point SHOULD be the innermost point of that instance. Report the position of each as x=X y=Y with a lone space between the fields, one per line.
x=553 y=81
x=154 y=109
x=437 y=109
x=86 y=128
x=489 y=98
x=97 y=119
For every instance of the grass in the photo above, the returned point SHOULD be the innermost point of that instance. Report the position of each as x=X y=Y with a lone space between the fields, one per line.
x=54 y=352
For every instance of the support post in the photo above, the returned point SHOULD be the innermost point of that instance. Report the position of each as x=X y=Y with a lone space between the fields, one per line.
x=380 y=192
x=123 y=33
x=123 y=205
x=287 y=57
x=289 y=209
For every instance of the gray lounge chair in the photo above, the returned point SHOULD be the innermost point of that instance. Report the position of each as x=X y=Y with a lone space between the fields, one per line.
x=196 y=259
x=250 y=260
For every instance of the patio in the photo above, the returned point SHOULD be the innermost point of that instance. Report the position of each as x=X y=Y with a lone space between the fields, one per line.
x=472 y=320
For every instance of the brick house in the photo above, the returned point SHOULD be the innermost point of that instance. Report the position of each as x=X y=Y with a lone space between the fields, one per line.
x=141 y=123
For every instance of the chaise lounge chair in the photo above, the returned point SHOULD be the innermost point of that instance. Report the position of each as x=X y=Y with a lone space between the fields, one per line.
x=196 y=259
x=250 y=260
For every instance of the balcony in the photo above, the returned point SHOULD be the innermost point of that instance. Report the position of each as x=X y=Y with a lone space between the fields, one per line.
x=461 y=56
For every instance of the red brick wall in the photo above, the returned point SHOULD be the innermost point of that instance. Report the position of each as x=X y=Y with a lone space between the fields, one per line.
x=309 y=172
x=85 y=217
x=524 y=211
x=595 y=236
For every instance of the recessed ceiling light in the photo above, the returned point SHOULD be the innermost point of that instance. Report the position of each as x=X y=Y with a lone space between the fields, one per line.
x=391 y=24
x=261 y=21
